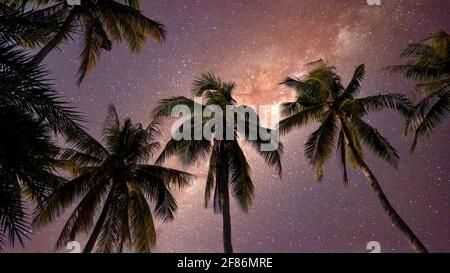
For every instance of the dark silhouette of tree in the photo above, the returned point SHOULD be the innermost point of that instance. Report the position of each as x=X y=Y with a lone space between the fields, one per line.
x=115 y=174
x=321 y=97
x=430 y=67
x=228 y=165
x=31 y=112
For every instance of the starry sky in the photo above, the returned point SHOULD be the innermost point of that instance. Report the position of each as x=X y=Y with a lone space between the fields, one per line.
x=256 y=44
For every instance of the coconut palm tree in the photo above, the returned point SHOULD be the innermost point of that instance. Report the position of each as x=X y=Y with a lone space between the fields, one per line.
x=31 y=111
x=116 y=175
x=228 y=164
x=321 y=97
x=430 y=67
x=100 y=22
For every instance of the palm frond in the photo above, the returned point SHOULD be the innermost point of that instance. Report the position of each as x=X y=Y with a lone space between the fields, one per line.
x=82 y=141
x=95 y=38
x=319 y=146
x=351 y=137
x=341 y=150
x=153 y=129
x=157 y=191
x=129 y=24
x=418 y=50
x=363 y=106
x=289 y=108
x=211 y=177
x=26 y=168
x=434 y=116
x=263 y=140
x=75 y=159
x=40 y=184
x=188 y=151
x=303 y=88
x=416 y=72
x=355 y=83
x=269 y=147
x=13 y=222
x=111 y=234
x=302 y=118
x=82 y=217
x=166 y=107
x=206 y=82
x=437 y=87
x=26 y=85
x=375 y=141
x=241 y=182
x=170 y=176
x=134 y=4
x=65 y=195
x=142 y=228
x=27 y=29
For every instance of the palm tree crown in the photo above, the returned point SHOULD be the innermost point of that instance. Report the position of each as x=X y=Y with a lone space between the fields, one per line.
x=117 y=175
x=100 y=22
x=430 y=66
x=321 y=97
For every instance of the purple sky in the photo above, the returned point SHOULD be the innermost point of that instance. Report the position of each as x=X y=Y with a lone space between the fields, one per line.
x=257 y=44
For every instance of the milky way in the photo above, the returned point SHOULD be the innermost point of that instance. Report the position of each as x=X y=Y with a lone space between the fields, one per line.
x=257 y=44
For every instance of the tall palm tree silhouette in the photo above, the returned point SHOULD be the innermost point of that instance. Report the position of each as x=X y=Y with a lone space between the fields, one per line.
x=227 y=162
x=321 y=97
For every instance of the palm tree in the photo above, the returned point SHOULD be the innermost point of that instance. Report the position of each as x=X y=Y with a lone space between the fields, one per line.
x=100 y=22
x=430 y=66
x=227 y=162
x=321 y=97
x=31 y=111
x=117 y=173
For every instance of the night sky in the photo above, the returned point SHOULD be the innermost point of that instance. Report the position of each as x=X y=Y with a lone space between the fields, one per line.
x=257 y=44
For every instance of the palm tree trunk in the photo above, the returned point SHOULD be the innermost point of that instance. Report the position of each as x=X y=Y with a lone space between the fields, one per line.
x=376 y=187
x=227 y=244
x=395 y=217
x=56 y=40
x=222 y=180
x=98 y=226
